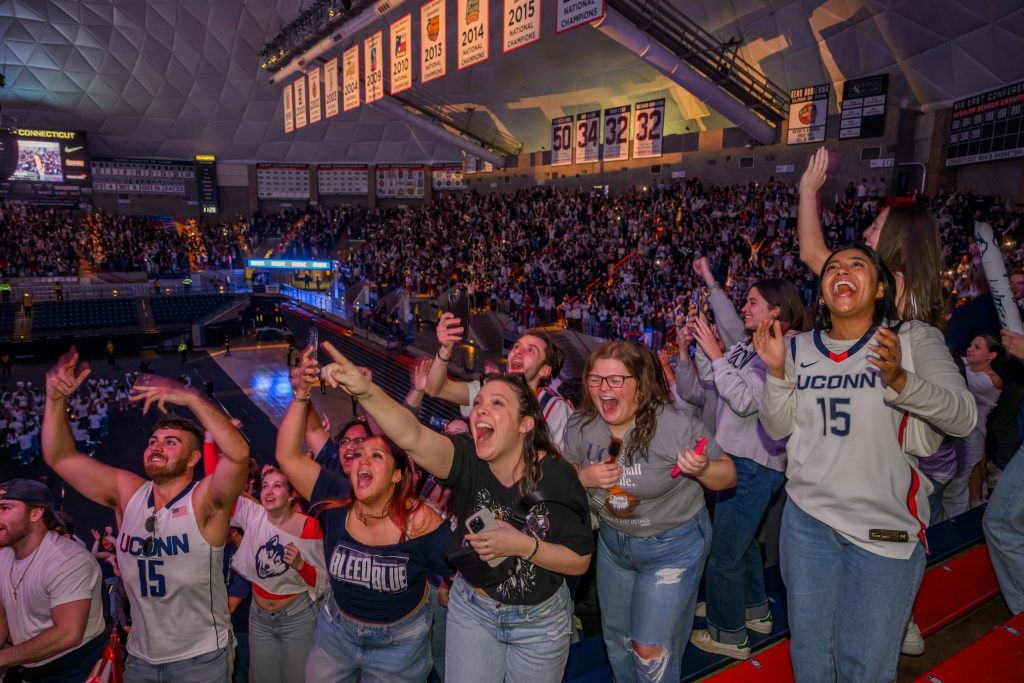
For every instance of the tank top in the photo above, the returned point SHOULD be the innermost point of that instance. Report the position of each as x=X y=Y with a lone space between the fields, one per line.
x=177 y=593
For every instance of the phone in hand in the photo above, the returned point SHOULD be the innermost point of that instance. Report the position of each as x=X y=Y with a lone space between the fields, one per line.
x=614 y=448
x=314 y=339
x=480 y=521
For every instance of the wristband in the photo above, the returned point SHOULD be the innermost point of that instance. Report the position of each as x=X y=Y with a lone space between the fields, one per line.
x=301 y=399
x=536 y=547
x=443 y=360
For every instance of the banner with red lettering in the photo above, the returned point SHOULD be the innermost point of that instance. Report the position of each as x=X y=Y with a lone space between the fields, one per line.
x=374 y=58
x=433 y=46
x=289 y=111
x=350 y=78
x=401 y=54
x=314 y=95
x=331 y=88
x=474 y=32
x=521 y=24
x=300 y=102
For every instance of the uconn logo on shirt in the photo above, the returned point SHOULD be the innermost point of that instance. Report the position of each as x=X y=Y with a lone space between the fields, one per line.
x=379 y=573
x=162 y=547
x=857 y=381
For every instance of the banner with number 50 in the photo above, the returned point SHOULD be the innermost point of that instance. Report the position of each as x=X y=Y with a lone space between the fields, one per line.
x=561 y=141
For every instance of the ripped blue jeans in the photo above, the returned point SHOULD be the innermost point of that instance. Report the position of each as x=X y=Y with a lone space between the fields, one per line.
x=647 y=588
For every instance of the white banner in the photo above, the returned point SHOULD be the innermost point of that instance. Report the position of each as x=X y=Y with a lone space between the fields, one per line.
x=561 y=141
x=300 y=102
x=521 y=24
x=616 y=133
x=648 y=128
x=588 y=137
x=433 y=47
x=373 y=57
x=331 y=88
x=447 y=177
x=401 y=54
x=400 y=181
x=314 y=95
x=350 y=78
x=343 y=179
x=808 y=113
x=474 y=32
x=572 y=13
x=289 y=110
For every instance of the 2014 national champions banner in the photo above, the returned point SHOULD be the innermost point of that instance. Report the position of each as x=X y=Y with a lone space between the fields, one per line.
x=313 y=96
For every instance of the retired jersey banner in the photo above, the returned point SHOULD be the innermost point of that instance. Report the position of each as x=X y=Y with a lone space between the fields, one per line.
x=521 y=23
x=289 y=110
x=300 y=102
x=331 y=88
x=572 y=13
x=474 y=32
x=401 y=54
x=808 y=112
x=588 y=138
x=374 y=59
x=350 y=78
x=433 y=47
x=648 y=128
x=561 y=141
x=616 y=133
x=314 y=95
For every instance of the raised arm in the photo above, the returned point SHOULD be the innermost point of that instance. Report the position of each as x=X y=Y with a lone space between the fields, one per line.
x=99 y=483
x=431 y=451
x=315 y=434
x=730 y=326
x=418 y=384
x=219 y=491
x=778 y=402
x=449 y=331
x=813 y=250
x=301 y=471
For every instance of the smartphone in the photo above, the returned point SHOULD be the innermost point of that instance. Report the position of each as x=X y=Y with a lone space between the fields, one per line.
x=695 y=299
x=614 y=448
x=438 y=423
x=483 y=520
x=314 y=339
x=458 y=305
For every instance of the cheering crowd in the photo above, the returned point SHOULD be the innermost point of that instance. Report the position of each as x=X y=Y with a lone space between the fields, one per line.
x=809 y=361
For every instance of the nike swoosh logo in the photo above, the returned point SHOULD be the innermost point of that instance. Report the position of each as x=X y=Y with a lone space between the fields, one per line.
x=69 y=150
x=807 y=365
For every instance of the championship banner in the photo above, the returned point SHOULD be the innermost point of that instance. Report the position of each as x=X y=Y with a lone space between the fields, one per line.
x=433 y=48
x=521 y=24
x=864 y=108
x=808 y=113
x=331 y=88
x=474 y=32
x=445 y=177
x=314 y=95
x=561 y=141
x=588 y=140
x=350 y=78
x=987 y=127
x=289 y=111
x=374 y=60
x=616 y=133
x=401 y=54
x=648 y=128
x=572 y=13
x=300 y=102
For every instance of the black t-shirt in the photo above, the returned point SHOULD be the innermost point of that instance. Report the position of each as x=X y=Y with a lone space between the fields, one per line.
x=474 y=487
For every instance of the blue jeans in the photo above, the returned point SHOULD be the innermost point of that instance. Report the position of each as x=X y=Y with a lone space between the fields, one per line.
x=241 y=669
x=345 y=650
x=211 y=667
x=1004 y=531
x=492 y=642
x=647 y=589
x=735 y=573
x=279 y=641
x=848 y=608
x=438 y=633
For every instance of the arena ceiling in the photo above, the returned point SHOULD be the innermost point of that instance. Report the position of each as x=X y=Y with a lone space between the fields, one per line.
x=172 y=78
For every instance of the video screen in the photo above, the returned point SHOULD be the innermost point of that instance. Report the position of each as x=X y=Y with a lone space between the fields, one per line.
x=38 y=160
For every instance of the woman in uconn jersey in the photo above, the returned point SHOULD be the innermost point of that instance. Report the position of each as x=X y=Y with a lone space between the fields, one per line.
x=859 y=397
x=380 y=546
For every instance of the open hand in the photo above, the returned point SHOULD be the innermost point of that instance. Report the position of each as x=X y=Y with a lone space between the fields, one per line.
x=152 y=389
x=771 y=347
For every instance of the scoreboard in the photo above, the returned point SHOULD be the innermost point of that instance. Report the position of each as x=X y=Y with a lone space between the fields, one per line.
x=987 y=127
x=53 y=167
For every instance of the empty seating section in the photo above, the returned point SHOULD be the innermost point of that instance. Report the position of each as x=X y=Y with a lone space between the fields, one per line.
x=187 y=308
x=84 y=313
x=7 y=313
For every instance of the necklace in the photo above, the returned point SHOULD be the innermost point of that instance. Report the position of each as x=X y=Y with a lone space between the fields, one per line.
x=362 y=516
x=10 y=574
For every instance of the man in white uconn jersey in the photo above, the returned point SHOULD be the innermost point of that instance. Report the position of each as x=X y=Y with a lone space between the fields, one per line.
x=171 y=544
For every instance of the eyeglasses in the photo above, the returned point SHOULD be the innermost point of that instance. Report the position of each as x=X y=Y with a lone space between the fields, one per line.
x=613 y=381
x=354 y=441
x=149 y=545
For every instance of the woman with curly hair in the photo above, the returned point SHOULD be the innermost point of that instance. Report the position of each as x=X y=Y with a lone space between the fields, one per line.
x=654 y=533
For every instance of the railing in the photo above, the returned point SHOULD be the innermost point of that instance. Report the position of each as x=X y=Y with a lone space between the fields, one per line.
x=322 y=302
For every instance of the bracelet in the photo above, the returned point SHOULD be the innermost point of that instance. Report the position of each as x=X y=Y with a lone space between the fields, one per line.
x=713 y=286
x=443 y=360
x=303 y=400
x=536 y=547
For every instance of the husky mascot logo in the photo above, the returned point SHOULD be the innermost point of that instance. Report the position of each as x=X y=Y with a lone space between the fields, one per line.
x=270 y=559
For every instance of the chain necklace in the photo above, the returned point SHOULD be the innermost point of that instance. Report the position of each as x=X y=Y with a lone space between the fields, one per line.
x=10 y=574
x=362 y=516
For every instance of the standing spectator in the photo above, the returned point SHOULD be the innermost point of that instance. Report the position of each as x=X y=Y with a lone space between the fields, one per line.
x=110 y=352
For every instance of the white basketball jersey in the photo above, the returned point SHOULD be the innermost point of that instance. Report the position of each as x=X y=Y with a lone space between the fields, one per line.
x=177 y=592
x=847 y=467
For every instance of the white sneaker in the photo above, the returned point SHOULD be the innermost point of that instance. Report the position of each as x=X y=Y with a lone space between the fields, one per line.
x=702 y=638
x=913 y=641
x=762 y=625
